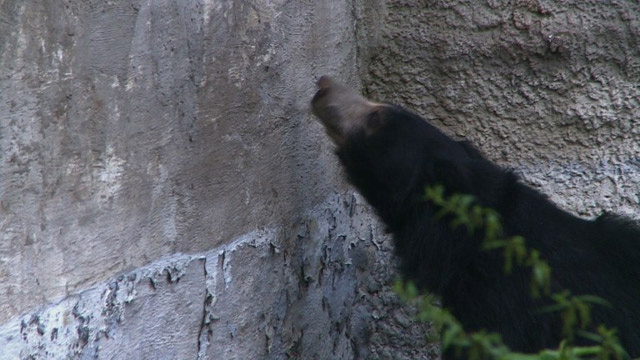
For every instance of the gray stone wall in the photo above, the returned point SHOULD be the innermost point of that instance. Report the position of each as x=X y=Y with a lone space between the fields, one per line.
x=136 y=129
x=311 y=289
x=165 y=193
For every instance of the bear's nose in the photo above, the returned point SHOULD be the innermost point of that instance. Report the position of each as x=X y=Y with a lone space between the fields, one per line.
x=325 y=82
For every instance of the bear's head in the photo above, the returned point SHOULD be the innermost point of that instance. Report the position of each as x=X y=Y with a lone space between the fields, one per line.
x=386 y=150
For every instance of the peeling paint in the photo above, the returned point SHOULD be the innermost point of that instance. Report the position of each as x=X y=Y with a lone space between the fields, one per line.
x=96 y=322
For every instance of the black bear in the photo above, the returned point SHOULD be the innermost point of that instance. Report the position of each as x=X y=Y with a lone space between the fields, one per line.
x=391 y=154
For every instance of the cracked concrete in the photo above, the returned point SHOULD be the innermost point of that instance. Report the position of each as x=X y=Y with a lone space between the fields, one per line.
x=264 y=295
x=164 y=299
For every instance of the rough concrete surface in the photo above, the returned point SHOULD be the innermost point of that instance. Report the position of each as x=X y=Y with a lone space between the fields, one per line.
x=165 y=193
x=136 y=129
x=549 y=88
x=263 y=295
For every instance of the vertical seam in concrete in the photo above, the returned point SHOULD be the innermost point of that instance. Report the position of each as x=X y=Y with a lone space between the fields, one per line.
x=202 y=342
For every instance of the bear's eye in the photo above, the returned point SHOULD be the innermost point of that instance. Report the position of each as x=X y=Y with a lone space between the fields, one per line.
x=373 y=121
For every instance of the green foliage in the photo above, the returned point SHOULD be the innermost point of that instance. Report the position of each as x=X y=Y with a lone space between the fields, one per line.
x=575 y=311
x=464 y=211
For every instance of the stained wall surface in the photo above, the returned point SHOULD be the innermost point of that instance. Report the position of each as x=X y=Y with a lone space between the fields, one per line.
x=136 y=129
x=165 y=193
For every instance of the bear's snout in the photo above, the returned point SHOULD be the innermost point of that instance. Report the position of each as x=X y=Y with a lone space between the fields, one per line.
x=325 y=82
x=340 y=109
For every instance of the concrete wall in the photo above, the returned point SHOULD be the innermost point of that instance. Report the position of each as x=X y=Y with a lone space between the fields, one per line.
x=165 y=193
x=132 y=130
x=310 y=289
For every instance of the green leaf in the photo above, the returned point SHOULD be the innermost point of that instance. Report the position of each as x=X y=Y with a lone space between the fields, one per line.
x=595 y=300
x=495 y=244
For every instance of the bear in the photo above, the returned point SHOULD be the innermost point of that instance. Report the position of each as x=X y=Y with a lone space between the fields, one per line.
x=391 y=154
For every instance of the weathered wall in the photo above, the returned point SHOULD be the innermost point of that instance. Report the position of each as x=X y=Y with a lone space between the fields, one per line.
x=137 y=129
x=310 y=290
x=164 y=192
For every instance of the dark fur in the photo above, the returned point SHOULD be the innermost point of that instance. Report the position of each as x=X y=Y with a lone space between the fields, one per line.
x=602 y=257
